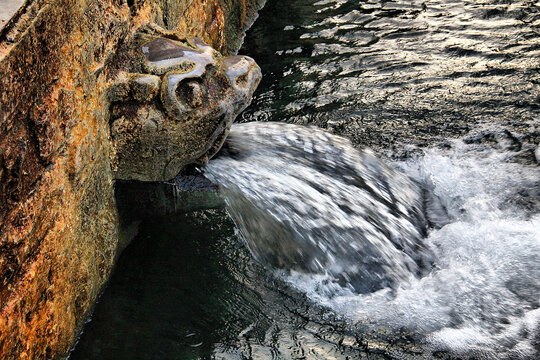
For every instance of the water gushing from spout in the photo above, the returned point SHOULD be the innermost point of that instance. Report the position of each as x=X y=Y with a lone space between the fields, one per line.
x=307 y=200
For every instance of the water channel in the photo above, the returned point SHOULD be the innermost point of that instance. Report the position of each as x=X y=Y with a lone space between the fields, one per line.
x=447 y=95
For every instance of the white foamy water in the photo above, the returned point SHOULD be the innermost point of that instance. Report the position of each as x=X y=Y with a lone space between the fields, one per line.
x=343 y=226
x=482 y=298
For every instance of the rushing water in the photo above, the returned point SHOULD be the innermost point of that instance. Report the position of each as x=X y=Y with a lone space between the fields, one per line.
x=447 y=94
x=306 y=199
x=405 y=78
x=302 y=195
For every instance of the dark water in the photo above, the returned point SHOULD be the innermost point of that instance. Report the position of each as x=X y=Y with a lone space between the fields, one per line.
x=179 y=289
x=187 y=288
x=448 y=89
x=390 y=74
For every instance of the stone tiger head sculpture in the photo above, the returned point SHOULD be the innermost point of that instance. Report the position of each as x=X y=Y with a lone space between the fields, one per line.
x=173 y=102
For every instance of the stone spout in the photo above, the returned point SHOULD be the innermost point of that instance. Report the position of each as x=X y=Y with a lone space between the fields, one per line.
x=173 y=104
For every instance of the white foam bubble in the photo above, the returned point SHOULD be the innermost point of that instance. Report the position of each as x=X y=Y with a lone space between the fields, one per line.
x=483 y=296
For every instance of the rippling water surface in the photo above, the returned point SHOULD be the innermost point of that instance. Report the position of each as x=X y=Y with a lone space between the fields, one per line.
x=388 y=73
x=448 y=93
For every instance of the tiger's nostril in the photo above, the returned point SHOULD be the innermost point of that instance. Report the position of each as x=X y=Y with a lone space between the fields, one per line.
x=195 y=96
x=192 y=92
x=242 y=80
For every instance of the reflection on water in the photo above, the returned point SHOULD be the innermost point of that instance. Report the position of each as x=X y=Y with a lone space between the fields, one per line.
x=187 y=288
x=389 y=73
x=175 y=292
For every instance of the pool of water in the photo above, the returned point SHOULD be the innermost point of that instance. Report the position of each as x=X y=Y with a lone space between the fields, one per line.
x=391 y=74
x=176 y=292
x=187 y=288
x=448 y=92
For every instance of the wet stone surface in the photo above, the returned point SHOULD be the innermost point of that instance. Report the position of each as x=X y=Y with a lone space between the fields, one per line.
x=59 y=223
x=173 y=102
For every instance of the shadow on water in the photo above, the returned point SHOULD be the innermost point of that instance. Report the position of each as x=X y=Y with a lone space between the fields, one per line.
x=175 y=292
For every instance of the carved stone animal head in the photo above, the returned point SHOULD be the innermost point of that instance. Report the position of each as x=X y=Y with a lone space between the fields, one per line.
x=173 y=103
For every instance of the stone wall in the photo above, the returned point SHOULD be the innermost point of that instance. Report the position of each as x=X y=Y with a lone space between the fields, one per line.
x=58 y=221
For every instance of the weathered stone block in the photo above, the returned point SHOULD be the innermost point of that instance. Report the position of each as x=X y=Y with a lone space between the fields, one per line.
x=58 y=221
